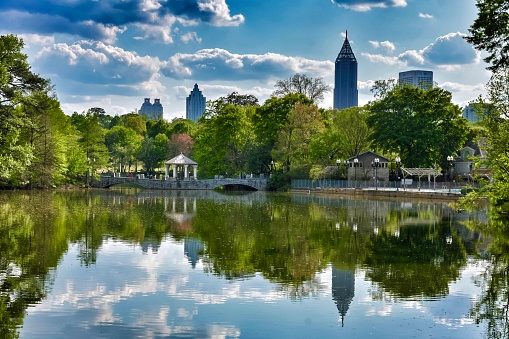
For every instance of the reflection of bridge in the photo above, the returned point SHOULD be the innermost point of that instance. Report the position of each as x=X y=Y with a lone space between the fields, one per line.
x=172 y=184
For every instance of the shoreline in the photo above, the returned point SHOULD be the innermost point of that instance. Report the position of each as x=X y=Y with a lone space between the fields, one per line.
x=409 y=193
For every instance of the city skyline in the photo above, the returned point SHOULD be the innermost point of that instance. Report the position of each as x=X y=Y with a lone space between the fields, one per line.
x=112 y=54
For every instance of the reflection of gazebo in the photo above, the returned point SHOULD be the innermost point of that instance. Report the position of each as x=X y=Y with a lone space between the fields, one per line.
x=343 y=289
x=179 y=163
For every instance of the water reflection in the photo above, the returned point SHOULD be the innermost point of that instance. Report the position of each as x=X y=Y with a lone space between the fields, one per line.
x=156 y=263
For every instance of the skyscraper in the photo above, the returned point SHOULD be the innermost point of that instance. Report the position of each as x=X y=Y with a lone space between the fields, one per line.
x=417 y=78
x=345 y=78
x=195 y=104
x=152 y=111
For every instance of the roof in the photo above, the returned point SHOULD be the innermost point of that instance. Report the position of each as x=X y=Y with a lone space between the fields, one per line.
x=382 y=158
x=346 y=52
x=420 y=172
x=180 y=159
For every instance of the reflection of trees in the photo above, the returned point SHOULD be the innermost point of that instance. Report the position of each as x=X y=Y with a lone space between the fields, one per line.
x=492 y=307
x=420 y=261
x=36 y=228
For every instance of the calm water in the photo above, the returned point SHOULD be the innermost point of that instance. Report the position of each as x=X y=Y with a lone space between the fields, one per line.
x=150 y=264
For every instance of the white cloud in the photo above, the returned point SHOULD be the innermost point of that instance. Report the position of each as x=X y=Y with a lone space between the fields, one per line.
x=190 y=36
x=448 y=52
x=425 y=16
x=367 y=5
x=221 y=13
x=37 y=39
x=220 y=64
x=389 y=46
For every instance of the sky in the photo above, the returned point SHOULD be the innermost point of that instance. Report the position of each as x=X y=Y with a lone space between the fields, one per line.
x=114 y=53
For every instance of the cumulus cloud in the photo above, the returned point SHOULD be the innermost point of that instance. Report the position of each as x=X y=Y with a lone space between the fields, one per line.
x=190 y=36
x=104 y=20
x=220 y=64
x=97 y=63
x=389 y=46
x=367 y=5
x=425 y=16
x=448 y=52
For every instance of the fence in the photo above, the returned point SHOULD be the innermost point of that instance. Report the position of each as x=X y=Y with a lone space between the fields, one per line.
x=332 y=183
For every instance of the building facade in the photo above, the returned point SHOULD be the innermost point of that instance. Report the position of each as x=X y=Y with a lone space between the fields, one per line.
x=470 y=114
x=417 y=78
x=195 y=104
x=152 y=111
x=345 y=78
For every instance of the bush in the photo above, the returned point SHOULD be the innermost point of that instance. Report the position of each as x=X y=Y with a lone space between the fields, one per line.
x=279 y=182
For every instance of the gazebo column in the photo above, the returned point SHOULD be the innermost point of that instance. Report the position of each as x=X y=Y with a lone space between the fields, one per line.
x=195 y=168
x=174 y=171
x=186 y=174
x=166 y=170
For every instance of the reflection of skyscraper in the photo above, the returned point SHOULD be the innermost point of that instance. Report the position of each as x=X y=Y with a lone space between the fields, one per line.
x=343 y=290
x=192 y=249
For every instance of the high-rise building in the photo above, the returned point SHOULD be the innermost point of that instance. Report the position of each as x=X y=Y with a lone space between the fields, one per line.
x=417 y=78
x=195 y=104
x=152 y=111
x=345 y=78
x=470 y=114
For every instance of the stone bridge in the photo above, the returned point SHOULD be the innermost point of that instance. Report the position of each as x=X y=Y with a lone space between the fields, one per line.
x=173 y=184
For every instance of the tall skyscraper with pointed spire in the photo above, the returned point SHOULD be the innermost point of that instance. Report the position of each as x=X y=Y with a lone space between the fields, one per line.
x=345 y=79
x=195 y=104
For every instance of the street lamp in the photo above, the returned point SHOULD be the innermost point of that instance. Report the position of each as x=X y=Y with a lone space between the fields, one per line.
x=450 y=159
x=375 y=165
x=338 y=163
x=355 y=165
x=398 y=165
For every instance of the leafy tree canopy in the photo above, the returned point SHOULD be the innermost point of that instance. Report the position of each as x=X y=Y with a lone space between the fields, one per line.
x=422 y=126
x=490 y=32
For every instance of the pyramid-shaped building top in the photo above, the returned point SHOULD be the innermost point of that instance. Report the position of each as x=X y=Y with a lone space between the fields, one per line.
x=346 y=51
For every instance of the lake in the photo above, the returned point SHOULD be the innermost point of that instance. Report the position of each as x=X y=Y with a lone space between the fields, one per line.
x=128 y=263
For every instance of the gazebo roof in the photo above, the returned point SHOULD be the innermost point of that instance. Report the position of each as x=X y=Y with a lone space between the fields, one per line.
x=420 y=172
x=180 y=159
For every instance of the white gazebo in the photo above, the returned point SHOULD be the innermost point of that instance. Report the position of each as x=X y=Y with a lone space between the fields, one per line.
x=178 y=163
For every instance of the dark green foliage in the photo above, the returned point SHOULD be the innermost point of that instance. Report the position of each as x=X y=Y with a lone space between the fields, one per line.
x=422 y=126
x=490 y=32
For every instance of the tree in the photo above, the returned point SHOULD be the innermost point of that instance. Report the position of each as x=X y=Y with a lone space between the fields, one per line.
x=123 y=143
x=180 y=143
x=495 y=121
x=422 y=126
x=17 y=84
x=223 y=141
x=153 y=152
x=490 y=32
x=313 y=88
x=268 y=120
x=292 y=147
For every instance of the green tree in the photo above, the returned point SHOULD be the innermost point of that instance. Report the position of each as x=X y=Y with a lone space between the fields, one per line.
x=153 y=152
x=155 y=127
x=292 y=147
x=313 y=88
x=223 y=141
x=123 y=143
x=17 y=84
x=490 y=32
x=268 y=120
x=91 y=140
x=422 y=126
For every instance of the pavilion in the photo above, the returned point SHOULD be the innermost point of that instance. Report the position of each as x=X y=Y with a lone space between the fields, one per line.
x=180 y=163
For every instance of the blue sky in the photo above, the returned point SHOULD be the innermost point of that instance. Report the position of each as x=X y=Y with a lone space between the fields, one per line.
x=114 y=53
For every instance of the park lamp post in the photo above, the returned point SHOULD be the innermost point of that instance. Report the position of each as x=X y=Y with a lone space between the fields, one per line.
x=398 y=166
x=450 y=159
x=355 y=165
x=375 y=165
x=338 y=164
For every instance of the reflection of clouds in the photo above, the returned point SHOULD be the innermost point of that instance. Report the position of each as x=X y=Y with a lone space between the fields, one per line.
x=151 y=294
